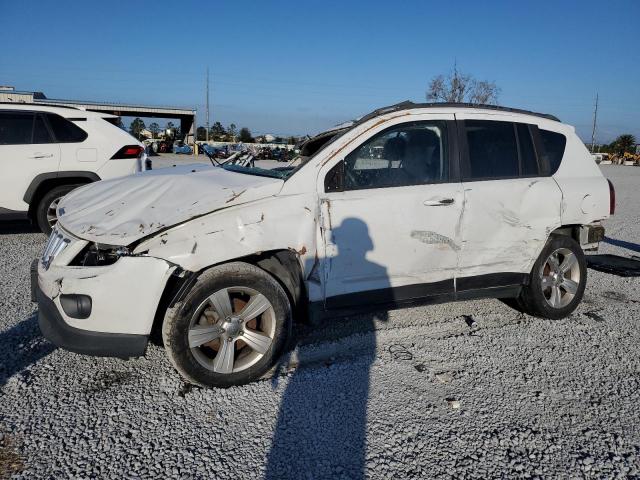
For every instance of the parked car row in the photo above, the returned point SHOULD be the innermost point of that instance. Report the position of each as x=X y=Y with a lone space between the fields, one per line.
x=410 y=204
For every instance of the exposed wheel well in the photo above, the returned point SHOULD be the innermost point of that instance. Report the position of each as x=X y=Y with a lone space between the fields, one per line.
x=283 y=265
x=572 y=231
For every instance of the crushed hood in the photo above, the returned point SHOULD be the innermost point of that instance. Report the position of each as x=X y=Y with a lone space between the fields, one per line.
x=122 y=210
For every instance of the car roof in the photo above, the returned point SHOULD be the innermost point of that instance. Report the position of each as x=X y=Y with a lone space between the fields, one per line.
x=63 y=111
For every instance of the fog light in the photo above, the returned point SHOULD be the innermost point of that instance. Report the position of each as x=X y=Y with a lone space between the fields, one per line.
x=76 y=306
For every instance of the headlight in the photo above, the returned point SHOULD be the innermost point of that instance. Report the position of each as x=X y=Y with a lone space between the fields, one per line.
x=56 y=244
x=97 y=255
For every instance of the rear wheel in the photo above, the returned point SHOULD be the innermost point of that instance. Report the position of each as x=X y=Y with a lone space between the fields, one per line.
x=557 y=281
x=47 y=209
x=230 y=328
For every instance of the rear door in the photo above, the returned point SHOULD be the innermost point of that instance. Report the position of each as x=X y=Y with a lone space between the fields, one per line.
x=511 y=203
x=26 y=151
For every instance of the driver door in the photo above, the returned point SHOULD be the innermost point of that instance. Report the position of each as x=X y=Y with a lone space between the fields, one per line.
x=391 y=211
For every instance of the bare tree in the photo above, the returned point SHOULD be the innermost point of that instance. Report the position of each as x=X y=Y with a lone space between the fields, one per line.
x=458 y=87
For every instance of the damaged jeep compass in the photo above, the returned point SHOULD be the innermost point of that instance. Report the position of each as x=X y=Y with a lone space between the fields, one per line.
x=411 y=204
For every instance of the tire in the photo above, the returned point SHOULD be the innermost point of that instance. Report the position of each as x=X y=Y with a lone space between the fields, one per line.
x=538 y=298
x=49 y=201
x=197 y=317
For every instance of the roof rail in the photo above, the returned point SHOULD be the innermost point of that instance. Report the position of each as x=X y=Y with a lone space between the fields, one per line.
x=409 y=104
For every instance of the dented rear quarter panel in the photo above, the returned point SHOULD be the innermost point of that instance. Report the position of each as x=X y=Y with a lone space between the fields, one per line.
x=585 y=191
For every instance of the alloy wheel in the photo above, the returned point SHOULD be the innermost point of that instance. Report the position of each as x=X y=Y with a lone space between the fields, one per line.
x=560 y=277
x=232 y=330
x=52 y=212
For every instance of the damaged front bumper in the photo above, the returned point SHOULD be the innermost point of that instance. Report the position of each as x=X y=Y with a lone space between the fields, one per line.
x=99 y=310
x=63 y=335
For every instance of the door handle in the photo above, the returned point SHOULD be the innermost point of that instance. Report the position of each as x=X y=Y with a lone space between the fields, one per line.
x=41 y=155
x=439 y=203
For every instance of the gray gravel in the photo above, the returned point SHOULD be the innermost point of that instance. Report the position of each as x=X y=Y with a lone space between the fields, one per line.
x=471 y=389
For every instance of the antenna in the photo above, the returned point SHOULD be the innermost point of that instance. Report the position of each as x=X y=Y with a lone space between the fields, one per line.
x=206 y=123
x=593 y=132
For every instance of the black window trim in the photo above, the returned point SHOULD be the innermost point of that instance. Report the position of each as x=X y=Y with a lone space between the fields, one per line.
x=465 y=162
x=453 y=159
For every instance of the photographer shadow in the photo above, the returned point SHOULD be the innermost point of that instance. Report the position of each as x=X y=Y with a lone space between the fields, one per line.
x=321 y=430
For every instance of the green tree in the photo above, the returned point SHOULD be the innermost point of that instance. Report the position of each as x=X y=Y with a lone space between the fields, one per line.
x=154 y=128
x=232 y=130
x=245 y=135
x=624 y=143
x=218 y=132
x=136 y=128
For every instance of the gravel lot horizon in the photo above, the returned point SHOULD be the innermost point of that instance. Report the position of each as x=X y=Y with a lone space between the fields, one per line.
x=469 y=389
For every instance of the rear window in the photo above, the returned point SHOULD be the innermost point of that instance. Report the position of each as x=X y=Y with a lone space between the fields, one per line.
x=15 y=128
x=553 y=145
x=65 y=131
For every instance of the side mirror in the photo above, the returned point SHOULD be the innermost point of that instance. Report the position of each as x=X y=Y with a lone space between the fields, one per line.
x=334 y=180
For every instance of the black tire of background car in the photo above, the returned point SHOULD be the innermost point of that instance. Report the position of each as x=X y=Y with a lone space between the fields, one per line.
x=177 y=319
x=532 y=300
x=45 y=202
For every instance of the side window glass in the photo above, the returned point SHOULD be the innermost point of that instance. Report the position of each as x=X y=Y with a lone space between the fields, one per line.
x=16 y=128
x=65 y=131
x=40 y=131
x=553 y=145
x=408 y=154
x=529 y=163
x=493 y=152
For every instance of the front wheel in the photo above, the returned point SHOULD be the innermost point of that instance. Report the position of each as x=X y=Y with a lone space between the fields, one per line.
x=231 y=327
x=557 y=281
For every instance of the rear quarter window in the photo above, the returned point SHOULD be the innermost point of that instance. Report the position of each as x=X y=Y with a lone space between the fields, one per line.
x=553 y=145
x=65 y=131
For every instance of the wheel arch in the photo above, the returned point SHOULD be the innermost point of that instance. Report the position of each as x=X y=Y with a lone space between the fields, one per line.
x=44 y=182
x=283 y=265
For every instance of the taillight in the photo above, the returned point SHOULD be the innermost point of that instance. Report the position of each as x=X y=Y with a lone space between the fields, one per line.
x=128 y=151
x=612 y=198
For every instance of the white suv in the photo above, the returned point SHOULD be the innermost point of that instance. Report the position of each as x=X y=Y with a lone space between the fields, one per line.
x=45 y=152
x=411 y=204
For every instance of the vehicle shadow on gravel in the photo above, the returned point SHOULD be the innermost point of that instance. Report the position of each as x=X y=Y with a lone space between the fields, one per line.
x=321 y=431
x=21 y=346
x=623 y=244
x=14 y=227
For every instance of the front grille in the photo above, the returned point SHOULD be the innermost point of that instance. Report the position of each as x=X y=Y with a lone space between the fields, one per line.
x=56 y=244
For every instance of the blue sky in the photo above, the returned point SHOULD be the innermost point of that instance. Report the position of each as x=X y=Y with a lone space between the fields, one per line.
x=294 y=67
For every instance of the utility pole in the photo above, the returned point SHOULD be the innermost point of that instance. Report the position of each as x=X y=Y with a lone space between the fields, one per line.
x=207 y=113
x=593 y=132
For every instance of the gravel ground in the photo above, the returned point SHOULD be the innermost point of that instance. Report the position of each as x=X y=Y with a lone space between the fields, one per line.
x=471 y=389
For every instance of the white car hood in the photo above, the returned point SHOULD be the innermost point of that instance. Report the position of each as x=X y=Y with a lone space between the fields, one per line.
x=122 y=210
